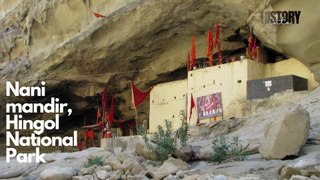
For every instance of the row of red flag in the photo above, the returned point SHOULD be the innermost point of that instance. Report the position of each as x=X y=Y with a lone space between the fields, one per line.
x=191 y=63
x=252 y=47
x=106 y=119
x=138 y=97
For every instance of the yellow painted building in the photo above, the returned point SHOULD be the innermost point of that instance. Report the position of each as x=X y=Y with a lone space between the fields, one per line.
x=168 y=99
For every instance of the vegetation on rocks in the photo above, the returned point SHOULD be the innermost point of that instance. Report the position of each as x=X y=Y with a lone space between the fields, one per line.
x=164 y=141
x=182 y=133
x=228 y=150
x=95 y=161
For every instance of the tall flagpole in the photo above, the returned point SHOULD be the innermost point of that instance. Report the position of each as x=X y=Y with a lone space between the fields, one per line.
x=136 y=119
x=135 y=107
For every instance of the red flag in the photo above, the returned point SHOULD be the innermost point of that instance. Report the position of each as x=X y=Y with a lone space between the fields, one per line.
x=193 y=52
x=137 y=96
x=80 y=146
x=217 y=43
x=111 y=114
x=91 y=136
x=210 y=46
x=250 y=43
x=98 y=115
x=254 y=48
x=192 y=105
x=97 y=15
x=104 y=99
x=217 y=30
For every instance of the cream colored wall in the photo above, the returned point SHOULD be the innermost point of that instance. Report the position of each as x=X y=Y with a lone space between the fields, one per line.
x=222 y=78
x=291 y=66
x=166 y=102
x=256 y=70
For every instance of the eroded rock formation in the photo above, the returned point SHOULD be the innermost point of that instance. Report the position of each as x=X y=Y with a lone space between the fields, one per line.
x=62 y=43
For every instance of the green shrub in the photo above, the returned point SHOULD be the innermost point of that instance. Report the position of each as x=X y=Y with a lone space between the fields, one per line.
x=95 y=161
x=226 y=150
x=164 y=142
x=182 y=132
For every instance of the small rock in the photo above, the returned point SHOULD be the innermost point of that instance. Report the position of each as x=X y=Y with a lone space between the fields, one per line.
x=310 y=149
x=57 y=173
x=88 y=170
x=130 y=177
x=137 y=170
x=98 y=152
x=95 y=177
x=313 y=177
x=117 y=150
x=251 y=177
x=220 y=177
x=208 y=177
x=140 y=177
x=310 y=172
x=89 y=177
x=128 y=172
x=115 y=164
x=102 y=174
x=151 y=171
x=128 y=164
x=79 y=178
x=193 y=177
x=108 y=168
x=286 y=172
x=123 y=177
x=114 y=177
x=170 y=177
x=119 y=173
x=298 y=177
x=123 y=157
x=143 y=151
x=180 y=174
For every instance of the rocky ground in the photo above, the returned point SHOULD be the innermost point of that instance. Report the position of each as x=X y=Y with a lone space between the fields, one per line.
x=132 y=164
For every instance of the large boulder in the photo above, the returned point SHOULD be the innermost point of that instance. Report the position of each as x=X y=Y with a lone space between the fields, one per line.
x=285 y=135
x=14 y=168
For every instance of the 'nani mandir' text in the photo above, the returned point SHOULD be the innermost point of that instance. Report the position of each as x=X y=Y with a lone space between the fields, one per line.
x=16 y=122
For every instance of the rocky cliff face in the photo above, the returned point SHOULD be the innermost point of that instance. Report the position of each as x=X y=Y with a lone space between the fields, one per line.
x=299 y=40
x=147 y=41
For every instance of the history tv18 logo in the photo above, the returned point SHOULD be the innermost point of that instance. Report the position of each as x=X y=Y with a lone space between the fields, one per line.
x=281 y=17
